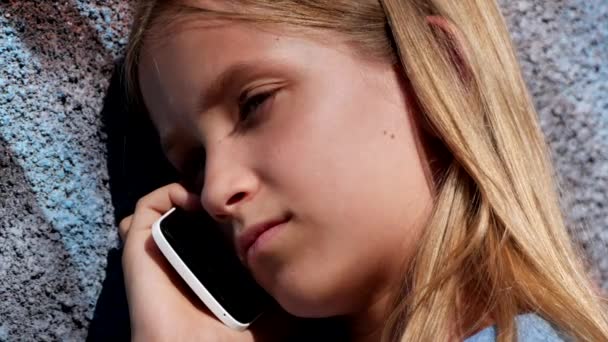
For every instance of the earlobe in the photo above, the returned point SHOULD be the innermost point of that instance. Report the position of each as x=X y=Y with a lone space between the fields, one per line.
x=454 y=41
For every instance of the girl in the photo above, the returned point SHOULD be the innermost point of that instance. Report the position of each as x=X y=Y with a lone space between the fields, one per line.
x=396 y=144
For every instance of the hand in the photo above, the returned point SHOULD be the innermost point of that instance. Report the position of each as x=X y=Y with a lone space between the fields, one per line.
x=161 y=306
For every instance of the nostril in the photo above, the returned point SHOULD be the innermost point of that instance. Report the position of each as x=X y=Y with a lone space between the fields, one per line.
x=235 y=198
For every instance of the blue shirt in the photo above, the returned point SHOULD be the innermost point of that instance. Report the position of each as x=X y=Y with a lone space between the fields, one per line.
x=530 y=328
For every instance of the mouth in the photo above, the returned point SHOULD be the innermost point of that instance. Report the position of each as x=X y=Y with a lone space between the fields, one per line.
x=252 y=234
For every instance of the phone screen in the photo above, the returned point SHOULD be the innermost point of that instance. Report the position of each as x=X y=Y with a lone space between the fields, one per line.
x=209 y=253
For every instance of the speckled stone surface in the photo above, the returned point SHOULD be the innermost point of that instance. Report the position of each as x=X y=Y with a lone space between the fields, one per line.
x=59 y=203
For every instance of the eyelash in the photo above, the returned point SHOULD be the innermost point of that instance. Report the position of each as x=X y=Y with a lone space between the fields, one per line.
x=248 y=108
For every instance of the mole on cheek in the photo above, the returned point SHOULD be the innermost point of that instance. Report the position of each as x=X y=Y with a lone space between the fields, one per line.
x=385 y=132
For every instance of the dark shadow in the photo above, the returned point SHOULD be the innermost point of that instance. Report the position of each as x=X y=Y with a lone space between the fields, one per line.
x=136 y=166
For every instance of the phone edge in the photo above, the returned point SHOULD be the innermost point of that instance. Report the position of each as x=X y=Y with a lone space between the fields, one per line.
x=201 y=291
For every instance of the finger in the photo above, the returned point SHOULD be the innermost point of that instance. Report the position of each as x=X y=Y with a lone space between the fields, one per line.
x=123 y=227
x=152 y=206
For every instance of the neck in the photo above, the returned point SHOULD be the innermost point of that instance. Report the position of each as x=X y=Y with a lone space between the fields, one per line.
x=368 y=324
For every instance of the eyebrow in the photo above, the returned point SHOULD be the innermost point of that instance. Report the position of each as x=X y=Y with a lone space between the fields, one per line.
x=210 y=96
x=223 y=82
x=219 y=86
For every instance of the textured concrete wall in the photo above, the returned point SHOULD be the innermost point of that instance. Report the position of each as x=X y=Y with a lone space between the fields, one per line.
x=64 y=180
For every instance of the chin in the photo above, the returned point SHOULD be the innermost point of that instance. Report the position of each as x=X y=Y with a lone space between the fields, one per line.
x=304 y=309
x=306 y=302
x=305 y=291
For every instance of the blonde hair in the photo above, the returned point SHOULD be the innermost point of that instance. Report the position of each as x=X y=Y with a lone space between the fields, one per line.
x=496 y=230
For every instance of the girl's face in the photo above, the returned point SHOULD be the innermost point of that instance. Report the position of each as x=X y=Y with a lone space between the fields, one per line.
x=298 y=129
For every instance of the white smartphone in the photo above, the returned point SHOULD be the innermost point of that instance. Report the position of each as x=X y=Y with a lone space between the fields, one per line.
x=204 y=256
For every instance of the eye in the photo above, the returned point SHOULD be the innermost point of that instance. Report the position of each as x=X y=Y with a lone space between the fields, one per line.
x=249 y=108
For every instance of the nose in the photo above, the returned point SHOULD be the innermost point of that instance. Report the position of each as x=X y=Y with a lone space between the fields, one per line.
x=228 y=184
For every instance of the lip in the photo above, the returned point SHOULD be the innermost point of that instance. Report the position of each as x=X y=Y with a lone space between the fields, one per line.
x=252 y=233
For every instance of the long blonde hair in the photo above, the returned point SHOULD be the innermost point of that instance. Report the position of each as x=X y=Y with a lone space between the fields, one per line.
x=496 y=230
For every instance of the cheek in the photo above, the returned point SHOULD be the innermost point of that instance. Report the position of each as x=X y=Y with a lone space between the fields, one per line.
x=311 y=155
x=347 y=167
x=352 y=176
x=341 y=153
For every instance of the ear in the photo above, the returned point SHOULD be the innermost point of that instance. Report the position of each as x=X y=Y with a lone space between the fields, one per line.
x=452 y=39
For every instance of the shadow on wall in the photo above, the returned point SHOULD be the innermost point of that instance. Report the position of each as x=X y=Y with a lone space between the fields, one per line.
x=136 y=167
x=136 y=163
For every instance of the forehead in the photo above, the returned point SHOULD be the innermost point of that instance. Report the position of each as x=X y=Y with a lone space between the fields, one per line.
x=174 y=69
x=178 y=69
